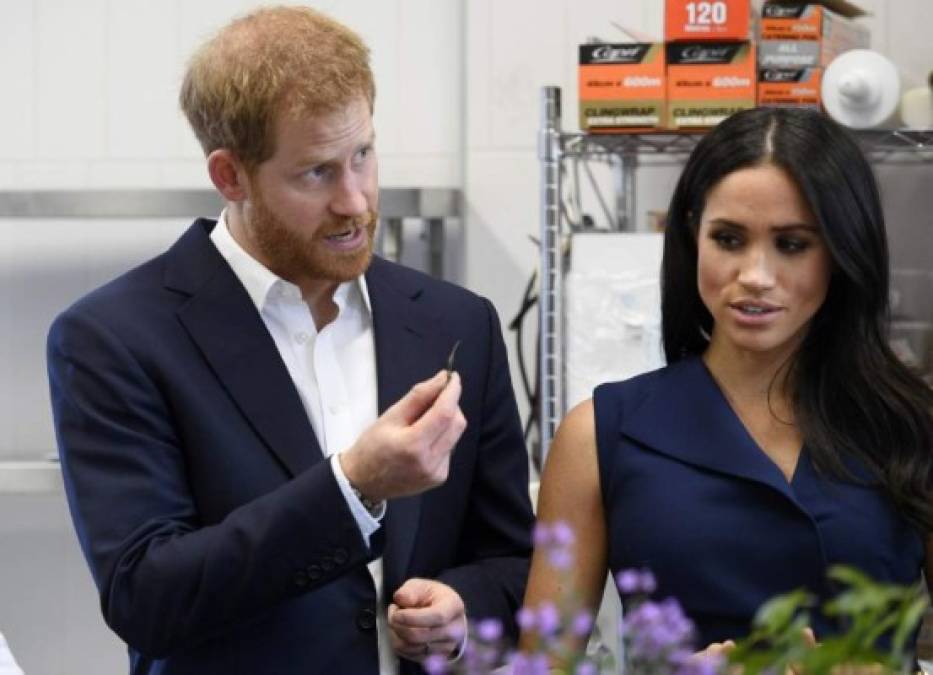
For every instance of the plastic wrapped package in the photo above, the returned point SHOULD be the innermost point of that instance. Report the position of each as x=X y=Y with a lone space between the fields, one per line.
x=612 y=309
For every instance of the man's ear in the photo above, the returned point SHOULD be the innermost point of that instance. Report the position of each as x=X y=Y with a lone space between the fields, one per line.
x=228 y=175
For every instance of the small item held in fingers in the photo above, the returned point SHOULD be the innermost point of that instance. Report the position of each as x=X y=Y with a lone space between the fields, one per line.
x=450 y=361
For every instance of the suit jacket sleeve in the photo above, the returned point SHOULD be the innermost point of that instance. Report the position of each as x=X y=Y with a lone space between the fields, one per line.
x=166 y=579
x=496 y=534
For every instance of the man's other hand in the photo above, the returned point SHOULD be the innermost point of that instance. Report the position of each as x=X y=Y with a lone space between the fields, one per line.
x=426 y=617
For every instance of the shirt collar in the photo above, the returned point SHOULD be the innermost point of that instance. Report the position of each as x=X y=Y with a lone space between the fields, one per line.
x=263 y=285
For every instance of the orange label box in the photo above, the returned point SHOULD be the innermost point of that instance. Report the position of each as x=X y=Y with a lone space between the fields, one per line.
x=784 y=88
x=708 y=81
x=621 y=86
x=707 y=20
x=799 y=35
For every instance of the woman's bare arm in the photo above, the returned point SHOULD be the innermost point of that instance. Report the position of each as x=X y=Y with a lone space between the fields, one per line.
x=570 y=492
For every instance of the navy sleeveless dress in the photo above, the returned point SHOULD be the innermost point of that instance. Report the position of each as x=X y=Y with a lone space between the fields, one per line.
x=689 y=494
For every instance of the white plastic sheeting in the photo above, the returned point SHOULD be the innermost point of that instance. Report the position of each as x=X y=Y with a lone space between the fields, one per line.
x=613 y=310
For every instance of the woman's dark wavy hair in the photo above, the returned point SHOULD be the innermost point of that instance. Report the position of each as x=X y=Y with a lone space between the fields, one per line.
x=853 y=397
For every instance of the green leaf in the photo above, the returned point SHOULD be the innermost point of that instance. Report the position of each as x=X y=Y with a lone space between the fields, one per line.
x=910 y=618
x=777 y=613
x=860 y=600
x=850 y=576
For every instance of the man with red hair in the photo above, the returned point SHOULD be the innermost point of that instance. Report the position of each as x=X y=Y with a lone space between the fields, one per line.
x=267 y=470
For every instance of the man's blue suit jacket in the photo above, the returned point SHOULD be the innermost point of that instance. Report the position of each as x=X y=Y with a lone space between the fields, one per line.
x=215 y=530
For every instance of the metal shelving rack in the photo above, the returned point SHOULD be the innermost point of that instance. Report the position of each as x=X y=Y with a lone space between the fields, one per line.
x=554 y=148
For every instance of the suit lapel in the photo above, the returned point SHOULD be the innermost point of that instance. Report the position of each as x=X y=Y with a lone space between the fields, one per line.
x=687 y=417
x=222 y=320
x=408 y=350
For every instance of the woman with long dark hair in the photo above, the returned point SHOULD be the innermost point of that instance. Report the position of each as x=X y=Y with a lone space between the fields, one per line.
x=783 y=436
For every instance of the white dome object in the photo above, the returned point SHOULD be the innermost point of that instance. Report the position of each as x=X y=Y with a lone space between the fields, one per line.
x=862 y=90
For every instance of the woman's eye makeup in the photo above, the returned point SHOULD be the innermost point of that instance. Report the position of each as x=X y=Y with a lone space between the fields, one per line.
x=792 y=244
x=726 y=239
x=730 y=239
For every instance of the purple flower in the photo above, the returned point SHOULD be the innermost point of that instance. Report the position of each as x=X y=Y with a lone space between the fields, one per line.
x=436 y=664
x=636 y=581
x=526 y=618
x=587 y=668
x=582 y=623
x=456 y=633
x=648 y=583
x=655 y=629
x=560 y=558
x=562 y=534
x=489 y=630
x=548 y=618
x=628 y=581
x=541 y=534
x=675 y=621
x=700 y=665
x=528 y=664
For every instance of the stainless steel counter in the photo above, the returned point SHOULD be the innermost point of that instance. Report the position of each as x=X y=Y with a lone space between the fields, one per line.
x=30 y=477
x=431 y=206
x=426 y=203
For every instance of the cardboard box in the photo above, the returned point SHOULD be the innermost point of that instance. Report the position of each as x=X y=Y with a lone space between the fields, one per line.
x=708 y=81
x=800 y=35
x=690 y=20
x=782 y=88
x=621 y=86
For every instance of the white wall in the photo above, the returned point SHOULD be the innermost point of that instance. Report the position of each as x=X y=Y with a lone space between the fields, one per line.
x=90 y=89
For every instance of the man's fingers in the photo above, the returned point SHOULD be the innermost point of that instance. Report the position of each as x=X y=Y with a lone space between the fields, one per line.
x=409 y=650
x=418 y=399
x=717 y=649
x=415 y=636
x=809 y=637
x=413 y=593
x=422 y=617
x=448 y=439
x=423 y=603
x=426 y=617
x=443 y=421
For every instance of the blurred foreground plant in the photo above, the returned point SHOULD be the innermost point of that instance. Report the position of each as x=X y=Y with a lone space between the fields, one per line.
x=868 y=610
x=657 y=638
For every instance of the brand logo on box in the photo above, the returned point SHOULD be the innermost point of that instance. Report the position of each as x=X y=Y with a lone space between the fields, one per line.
x=702 y=54
x=608 y=53
x=614 y=53
x=780 y=75
x=781 y=11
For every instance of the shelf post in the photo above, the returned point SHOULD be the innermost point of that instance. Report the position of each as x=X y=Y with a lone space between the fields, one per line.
x=551 y=391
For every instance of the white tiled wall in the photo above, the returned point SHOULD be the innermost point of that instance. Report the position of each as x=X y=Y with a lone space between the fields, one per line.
x=89 y=89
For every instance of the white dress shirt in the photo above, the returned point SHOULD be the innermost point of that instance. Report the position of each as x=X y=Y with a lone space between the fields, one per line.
x=334 y=371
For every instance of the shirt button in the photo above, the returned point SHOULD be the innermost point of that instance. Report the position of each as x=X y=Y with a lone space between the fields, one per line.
x=366 y=619
x=301 y=337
